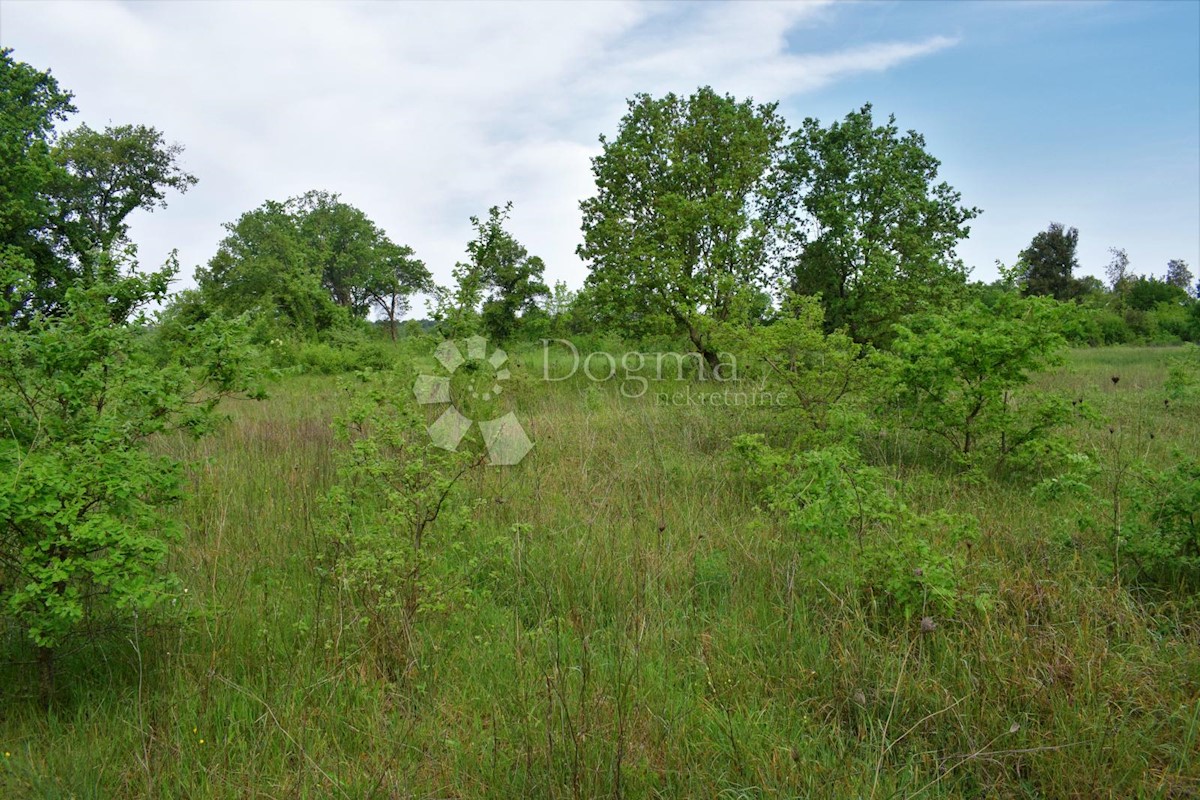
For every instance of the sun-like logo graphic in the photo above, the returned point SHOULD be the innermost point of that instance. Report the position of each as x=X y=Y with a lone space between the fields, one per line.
x=504 y=438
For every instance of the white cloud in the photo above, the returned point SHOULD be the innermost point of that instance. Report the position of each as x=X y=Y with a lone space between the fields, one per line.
x=420 y=114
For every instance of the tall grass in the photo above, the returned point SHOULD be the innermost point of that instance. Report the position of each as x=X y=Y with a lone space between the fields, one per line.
x=625 y=627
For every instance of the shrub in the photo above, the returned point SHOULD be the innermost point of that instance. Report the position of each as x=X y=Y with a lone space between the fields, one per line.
x=959 y=376
x=818 y=378
x=847 y=525
x=83 y=528
x=1148 y=518
x=392 y=486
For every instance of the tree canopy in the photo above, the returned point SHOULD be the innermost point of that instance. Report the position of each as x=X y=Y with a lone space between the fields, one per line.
x=678 y=229
x=1046 y=267
x=309 y=264
x=868 y=227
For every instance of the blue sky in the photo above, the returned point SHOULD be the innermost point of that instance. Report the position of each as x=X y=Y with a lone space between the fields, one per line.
x=1082 y=113
x=1085 y=113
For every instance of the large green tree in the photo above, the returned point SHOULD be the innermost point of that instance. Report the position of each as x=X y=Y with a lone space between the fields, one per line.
x=31 y=104
x=106 y=176
x=309 y=264
x=678 y=231
x=868 y=226
x=1046 y=267
x=65 y=199
x=513 y=277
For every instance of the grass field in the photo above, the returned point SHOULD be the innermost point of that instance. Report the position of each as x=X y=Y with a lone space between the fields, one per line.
x=623 y=625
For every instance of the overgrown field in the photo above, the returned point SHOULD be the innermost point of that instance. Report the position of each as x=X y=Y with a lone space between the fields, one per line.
x=619 y=615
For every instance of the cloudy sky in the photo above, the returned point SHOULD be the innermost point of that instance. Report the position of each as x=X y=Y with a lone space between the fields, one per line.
x=421 y=114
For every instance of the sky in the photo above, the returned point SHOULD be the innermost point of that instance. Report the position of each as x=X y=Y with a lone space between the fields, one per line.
x=1083 y=113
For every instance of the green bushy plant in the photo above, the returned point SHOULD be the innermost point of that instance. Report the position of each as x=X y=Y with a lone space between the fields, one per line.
x=84 y=525
x=819 y=379
x=393 y=488
x=848 y=525
x=1183 y=376
x=1162 y=534
x=962 y=376
x=1149 y=519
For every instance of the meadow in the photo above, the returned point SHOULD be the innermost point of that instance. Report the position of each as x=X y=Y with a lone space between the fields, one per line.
x=617 y=620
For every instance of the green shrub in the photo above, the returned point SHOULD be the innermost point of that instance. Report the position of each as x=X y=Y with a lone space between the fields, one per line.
x=847 y=526
x=393 y=489
x=963 y=375
x=1149 y=519
x=84 y=525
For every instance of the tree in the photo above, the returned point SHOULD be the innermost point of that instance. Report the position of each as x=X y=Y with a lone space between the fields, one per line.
x=1144 y=293
x=309 y=264
x=398 y=275
x=345 y=247
x=678 y=229
x=64 y=201
x=456 y=309
x=262 y=266
x=868 y=228
x=31 y=103
x=1047 y=265
x=513 y=277
x=105 y=177
x=1179 y=275
x=1117 y=271
x=955 y=374
x=83 y=498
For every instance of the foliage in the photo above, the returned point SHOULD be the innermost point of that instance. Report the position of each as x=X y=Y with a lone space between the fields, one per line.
x=1117 y=271
x=399 y=275
x=1144 y=293
x=31 y=103
x=309 y=265
x=1178 y=275
x=869 y=229
x=1047 y=266
x=957 y=375
x=106 y=176
x=512 y=277
x=849 y=526
x=1161 y=536
x=1148 y=517
x=1183 y=376
x=677 y=230
x=84 y=521
x=392 y=486
x=64 y=200
x=456 y=310
x=817 y=379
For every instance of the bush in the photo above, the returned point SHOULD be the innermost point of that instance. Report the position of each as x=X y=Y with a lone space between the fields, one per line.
x=83 y=528
x=1147 y=518
x=392 y=487
x=961 y=376
x=848 y=526
x=817 y=379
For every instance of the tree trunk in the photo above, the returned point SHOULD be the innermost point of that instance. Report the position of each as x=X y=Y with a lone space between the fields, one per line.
x=45 y=661
x=698 y=341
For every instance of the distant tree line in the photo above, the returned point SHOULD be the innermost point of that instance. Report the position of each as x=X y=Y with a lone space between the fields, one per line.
x=1129 y=307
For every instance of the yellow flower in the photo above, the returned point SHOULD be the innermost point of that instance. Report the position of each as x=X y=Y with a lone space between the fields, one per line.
x=201 y=741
